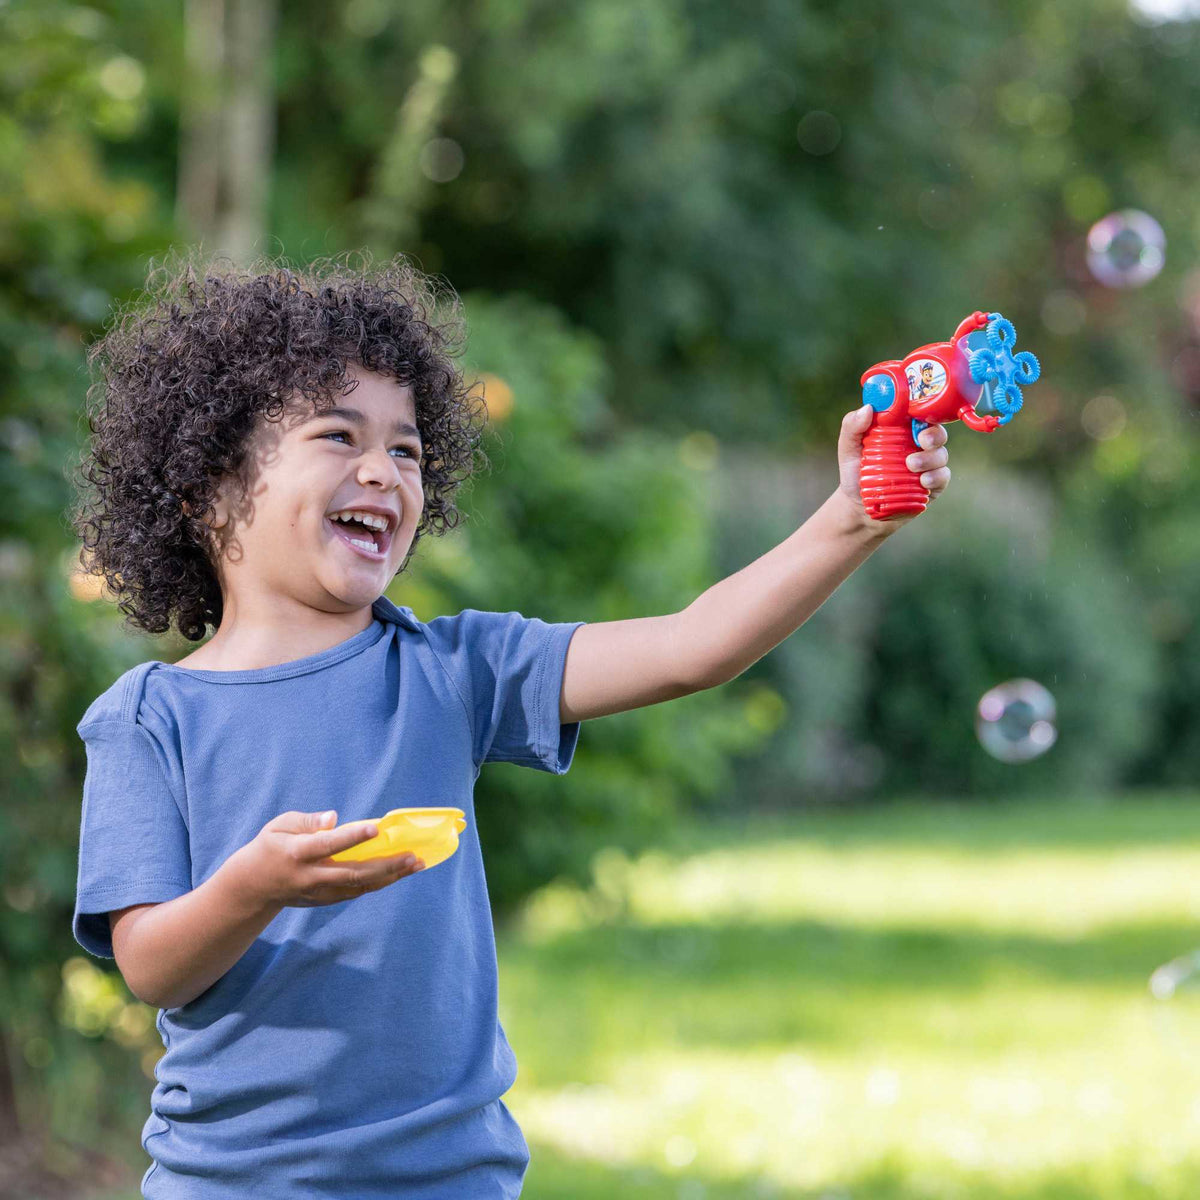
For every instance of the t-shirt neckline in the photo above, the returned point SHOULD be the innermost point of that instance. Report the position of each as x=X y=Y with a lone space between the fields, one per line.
x=382 y=610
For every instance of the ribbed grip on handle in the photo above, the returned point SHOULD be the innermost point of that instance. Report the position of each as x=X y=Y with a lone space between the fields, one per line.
x=888 y=486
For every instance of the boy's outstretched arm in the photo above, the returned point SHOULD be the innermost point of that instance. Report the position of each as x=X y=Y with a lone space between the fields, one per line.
x=612 y=666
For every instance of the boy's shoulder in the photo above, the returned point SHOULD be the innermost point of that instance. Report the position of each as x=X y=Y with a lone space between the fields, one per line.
x=141 y=696
x=468 y=623
x=121 y=700
x=449 y=628
x=476 y=630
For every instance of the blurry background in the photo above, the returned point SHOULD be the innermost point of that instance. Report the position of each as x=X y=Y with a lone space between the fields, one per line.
x=837 y=929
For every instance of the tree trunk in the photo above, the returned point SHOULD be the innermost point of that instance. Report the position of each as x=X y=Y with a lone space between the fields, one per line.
x=249 y=142
x=10 y=1127
x=227 y=124
x=200 y=118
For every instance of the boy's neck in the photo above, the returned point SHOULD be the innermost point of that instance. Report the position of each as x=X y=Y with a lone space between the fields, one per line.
x=252 y=650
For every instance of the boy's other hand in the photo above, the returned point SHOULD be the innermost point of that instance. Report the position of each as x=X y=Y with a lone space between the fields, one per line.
x=288 y=862
x=929 y=462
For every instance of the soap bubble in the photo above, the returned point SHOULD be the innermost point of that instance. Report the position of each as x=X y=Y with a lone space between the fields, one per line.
x=1015 y=721
x=1125 y=249
x=1180 y=975
x=1176 y=985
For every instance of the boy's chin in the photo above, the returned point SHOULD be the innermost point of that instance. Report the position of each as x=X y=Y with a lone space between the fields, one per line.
x=357 y=584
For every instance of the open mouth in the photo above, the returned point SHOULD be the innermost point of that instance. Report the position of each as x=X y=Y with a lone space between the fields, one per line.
x=359 y=538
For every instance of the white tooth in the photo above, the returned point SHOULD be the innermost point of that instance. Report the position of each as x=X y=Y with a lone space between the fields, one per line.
x=369 y=519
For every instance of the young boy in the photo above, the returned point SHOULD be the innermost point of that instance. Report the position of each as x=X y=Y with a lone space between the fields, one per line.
x=317 y=1048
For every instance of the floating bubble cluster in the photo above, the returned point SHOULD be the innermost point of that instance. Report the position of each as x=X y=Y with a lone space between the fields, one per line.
x=1126 y=249
x=1015 y=721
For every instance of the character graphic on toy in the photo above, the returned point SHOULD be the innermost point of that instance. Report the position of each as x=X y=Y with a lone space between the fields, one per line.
x=973 y=378
x=927 y=385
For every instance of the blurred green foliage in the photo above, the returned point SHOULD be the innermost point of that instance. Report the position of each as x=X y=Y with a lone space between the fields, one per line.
x=882 y=690
x=580 y=519
x=979 y=605
x=71 y=232
x=683 y=231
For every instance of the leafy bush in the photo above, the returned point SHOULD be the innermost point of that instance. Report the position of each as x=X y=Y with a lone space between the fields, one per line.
x=578 y=520
x=883 y=681
x=1169 y=554
x=971 y=603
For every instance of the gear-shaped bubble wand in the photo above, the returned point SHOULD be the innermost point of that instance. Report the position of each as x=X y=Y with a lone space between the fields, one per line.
x=974 y=378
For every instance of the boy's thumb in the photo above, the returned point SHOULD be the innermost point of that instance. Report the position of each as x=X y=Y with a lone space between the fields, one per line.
x=322 y=820
x=858 y=421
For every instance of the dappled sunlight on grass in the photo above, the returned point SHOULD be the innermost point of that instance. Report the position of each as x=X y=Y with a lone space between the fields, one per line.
x=1054 y=891
x=897 y=1019
x=554 y=1176
x=801 y=1120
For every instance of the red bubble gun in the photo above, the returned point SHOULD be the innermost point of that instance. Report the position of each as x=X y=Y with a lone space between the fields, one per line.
x=974 y=378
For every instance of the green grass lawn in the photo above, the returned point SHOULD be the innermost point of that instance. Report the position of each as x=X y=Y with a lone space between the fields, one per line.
x=919 y=1001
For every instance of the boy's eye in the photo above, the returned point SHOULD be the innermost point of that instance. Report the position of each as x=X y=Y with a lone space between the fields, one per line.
x=343 y=433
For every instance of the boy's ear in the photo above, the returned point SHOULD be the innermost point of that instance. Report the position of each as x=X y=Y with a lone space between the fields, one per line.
x=221 y=517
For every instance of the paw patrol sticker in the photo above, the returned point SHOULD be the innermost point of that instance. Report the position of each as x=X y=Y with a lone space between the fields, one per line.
x=926 y=379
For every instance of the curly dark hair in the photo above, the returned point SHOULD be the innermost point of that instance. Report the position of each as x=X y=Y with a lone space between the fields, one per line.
x=182 y=383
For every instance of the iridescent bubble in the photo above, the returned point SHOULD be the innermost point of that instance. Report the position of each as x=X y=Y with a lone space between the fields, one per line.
x=1179 y=975
x=1015 y=721
x=1126 y=248
x=1176 y=985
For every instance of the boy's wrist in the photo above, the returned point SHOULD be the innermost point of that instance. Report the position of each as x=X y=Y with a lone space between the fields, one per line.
x=853 y=520
x=240 y=890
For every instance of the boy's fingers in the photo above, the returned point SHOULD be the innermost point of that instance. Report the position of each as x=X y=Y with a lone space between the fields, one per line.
x=330 y=841
x=933 y=437
x=301 y=822
x=929 y=460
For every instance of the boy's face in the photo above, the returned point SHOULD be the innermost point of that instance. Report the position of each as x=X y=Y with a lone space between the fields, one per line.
x=277 y=543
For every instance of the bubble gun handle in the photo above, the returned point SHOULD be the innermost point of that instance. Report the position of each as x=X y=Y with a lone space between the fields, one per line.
x=974 y=377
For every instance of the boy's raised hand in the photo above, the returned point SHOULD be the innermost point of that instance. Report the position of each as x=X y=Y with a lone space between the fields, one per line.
x=288 y=863
x=929 y=462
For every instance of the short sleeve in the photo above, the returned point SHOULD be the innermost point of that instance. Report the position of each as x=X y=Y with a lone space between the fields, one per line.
x=511 y=671
x=133 y=840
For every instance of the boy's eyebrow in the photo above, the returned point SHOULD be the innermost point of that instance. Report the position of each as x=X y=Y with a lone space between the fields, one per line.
x=357 y=418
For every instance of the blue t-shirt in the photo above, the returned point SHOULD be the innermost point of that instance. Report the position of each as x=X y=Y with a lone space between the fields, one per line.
x=354 y=1051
